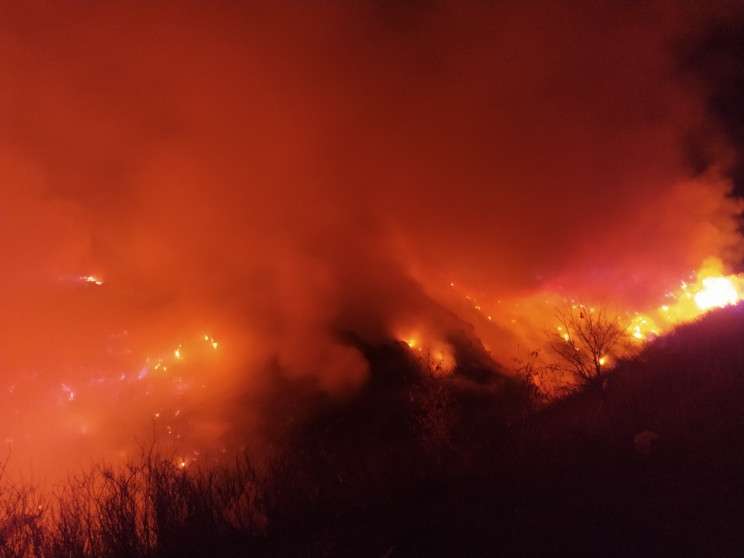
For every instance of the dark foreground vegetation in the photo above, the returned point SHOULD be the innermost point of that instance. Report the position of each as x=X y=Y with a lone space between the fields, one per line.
x=454 y=465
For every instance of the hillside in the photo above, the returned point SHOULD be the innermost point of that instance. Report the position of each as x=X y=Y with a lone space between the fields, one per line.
x=419 y=464
x=684 y=498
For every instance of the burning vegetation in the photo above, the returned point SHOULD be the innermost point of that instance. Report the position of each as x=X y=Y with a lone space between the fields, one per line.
x=451 y=463
x=392 y=257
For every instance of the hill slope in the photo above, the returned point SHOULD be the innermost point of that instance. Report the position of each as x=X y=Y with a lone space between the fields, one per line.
x=420 y=464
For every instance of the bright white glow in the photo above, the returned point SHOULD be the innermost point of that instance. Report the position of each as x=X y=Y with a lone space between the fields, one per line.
x=717 y=291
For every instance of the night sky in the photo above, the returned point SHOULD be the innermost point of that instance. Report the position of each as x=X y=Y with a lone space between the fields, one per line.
x=246 y=180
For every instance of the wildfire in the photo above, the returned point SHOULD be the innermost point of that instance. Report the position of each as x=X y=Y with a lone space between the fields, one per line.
x=167 y=374
x=717 y=292
x=92 y=279
x=643 y=327
x=436 y=355
x=162 y=379
x=707 y=289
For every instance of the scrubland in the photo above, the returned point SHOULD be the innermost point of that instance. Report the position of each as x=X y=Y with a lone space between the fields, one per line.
x=424 y=464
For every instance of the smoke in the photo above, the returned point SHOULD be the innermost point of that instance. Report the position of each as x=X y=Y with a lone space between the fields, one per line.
x=248 y=182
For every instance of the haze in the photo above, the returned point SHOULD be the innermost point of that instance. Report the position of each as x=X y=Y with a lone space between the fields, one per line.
x=248 y=180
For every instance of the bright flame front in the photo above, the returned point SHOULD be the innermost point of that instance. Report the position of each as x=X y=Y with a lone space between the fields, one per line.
x=717 y=292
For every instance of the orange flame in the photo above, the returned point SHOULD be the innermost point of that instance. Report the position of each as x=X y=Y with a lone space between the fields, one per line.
x=435 y=354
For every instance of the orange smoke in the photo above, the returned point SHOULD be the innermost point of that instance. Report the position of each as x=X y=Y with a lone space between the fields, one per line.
x=200 y=204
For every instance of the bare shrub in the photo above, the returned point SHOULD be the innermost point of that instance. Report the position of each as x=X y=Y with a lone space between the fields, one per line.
x=435 y=410
x=153 y=506
x=23 y=512
x=587 y=340
x=540 y=380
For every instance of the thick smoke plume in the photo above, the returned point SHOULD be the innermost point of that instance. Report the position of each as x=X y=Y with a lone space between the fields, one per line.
x=247 y=182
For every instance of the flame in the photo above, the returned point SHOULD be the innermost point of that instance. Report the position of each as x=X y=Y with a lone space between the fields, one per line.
x=211 y=341
x=709 y=288
x=154 y=377
x=643 y=327
x=92 y=279
x=436 y=355
x=706 y=289
x=717 y=292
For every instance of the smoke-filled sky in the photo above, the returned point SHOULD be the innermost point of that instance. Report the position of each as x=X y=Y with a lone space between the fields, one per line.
x=247 y=180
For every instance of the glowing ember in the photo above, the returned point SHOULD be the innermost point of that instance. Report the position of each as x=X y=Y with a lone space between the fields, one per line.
x=211 y=341
x=643 y=328
x=92 y=279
